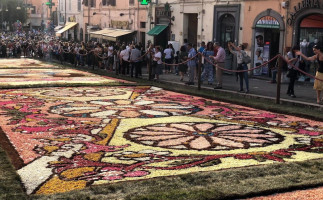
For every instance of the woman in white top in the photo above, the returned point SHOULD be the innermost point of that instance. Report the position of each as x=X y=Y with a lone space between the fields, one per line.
x=240 y=53
x=258 y=62
x=168 y=57
x=157 y=63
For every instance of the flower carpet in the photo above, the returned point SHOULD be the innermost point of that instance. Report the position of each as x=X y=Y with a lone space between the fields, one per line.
x=57 y=77
x=67 y=138
x=29 y=72
x=24 y=63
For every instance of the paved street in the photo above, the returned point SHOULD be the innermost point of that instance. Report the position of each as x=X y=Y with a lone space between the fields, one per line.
x=260 y=87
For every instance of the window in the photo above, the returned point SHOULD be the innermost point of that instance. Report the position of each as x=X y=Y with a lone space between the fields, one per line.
x=104 y=2
x=93 y=3
x=142 y=24
x=131 y=2
x=112 y=2
x=33 y=10
x=86 y=2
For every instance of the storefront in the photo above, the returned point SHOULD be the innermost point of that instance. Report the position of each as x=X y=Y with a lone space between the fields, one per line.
x=226 y=29
x=161 y=30
x=267 y=40
x=305 y=20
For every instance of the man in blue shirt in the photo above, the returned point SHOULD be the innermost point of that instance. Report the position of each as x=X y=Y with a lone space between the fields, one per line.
x=201 y=49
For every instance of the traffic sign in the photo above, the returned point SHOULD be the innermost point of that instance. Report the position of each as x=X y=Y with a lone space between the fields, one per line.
x=145 y=2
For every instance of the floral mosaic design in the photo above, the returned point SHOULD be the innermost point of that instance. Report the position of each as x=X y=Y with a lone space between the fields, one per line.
x=18 y=77
x=73 y=137
x=21 y=72
x=24 y=63
x=203 y=136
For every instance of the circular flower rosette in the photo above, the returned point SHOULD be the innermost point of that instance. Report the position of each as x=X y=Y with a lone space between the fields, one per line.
x=123 y=108
x=203 y=136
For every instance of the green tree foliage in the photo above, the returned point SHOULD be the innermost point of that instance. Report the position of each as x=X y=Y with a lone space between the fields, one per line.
x=13 y=14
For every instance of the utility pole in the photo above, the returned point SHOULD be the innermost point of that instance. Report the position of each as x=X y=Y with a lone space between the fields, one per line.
x=65 y=13
x=88 y=19
x=2 y=10
x=50 y=9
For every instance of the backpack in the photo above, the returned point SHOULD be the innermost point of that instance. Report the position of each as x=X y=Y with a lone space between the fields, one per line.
x=246 y=58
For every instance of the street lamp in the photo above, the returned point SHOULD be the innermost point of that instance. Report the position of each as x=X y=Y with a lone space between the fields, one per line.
x=18 y=6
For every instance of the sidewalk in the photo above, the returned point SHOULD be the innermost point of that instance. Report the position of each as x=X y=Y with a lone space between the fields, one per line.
x=260 y=87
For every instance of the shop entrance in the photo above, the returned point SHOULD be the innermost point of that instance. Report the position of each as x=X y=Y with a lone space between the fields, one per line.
x=310 y=34
x=162 y=38
x=267 y=41
x=272 y=38
x=311 y=29
x=227 y=31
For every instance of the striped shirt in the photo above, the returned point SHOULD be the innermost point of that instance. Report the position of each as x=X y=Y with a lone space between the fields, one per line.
x=220 y=56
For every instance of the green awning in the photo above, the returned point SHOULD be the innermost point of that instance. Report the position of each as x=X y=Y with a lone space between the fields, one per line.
x=157 y=30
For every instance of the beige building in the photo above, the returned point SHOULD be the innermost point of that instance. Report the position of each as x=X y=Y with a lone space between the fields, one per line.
x=123 y=19
x=39 y=12
x=70 y=19
x=82 y=19
x=269 y=26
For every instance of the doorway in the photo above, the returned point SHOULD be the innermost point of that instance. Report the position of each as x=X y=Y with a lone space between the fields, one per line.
x=227 y=31
x=192 y=28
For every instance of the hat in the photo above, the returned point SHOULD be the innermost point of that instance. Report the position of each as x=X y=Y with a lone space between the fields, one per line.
x=217 y=43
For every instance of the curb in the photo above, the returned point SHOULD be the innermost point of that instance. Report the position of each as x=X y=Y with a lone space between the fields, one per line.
x=255 y=96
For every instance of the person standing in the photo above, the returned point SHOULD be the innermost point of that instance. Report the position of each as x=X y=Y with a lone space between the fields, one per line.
x=191 y=64
x=220 y=63
x=240 y=53
x=200 y=51
x=150 y=53
x=168 y=58
x=293 y=61
x=318 y=84
x=110 y=56
x=135 y=61
x=182 y=57
x=124 y=59
x=258 y=62
x=157 y=63
x=208 y=72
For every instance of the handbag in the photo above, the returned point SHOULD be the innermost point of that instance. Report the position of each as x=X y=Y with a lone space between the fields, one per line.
x=246 y=58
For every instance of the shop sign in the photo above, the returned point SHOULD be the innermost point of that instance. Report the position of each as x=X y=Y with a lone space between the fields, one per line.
x=267 y=22
x=301 y=6
x=119 y=24
x=161 y=12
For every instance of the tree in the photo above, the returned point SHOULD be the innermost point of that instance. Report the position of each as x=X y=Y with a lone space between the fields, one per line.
x=13 y=14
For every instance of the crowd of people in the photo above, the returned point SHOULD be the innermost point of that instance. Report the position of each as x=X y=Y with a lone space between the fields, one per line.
x=124 y=58
x=129 y=58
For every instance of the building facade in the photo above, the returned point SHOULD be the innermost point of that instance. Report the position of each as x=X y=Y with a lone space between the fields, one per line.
x=270 y=27
x=93 y=15
x=70 y=19
x=39 y=14
x=267 y=26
